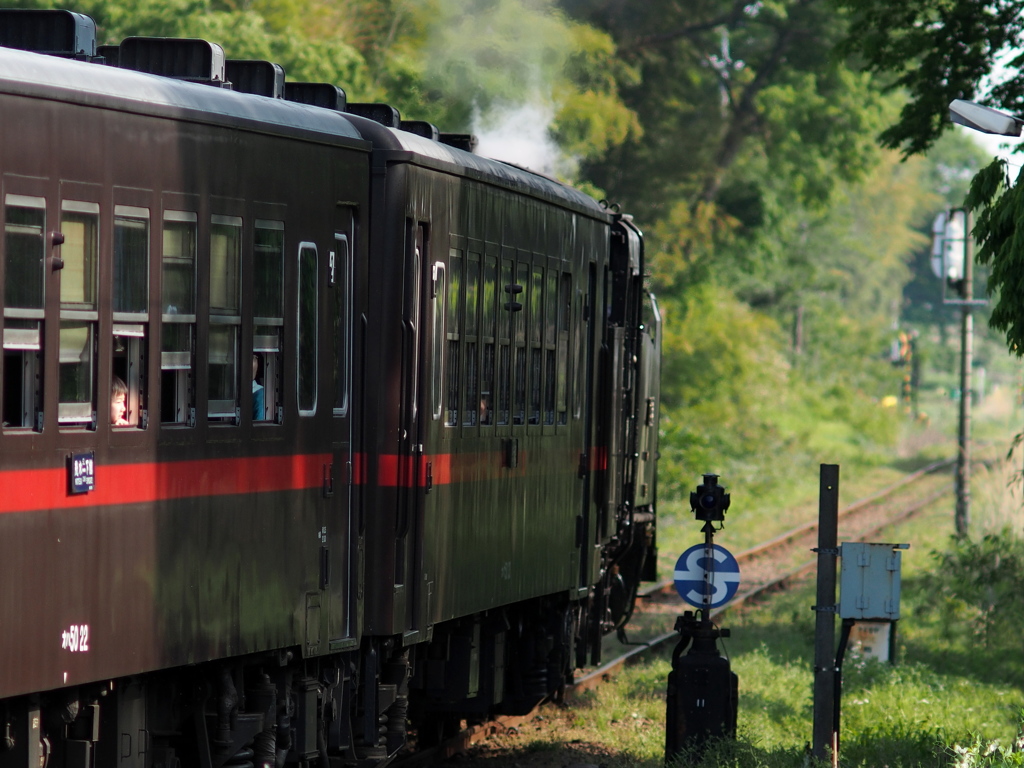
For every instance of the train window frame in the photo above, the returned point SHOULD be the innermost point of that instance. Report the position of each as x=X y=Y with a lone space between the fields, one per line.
x=438 y=297
x=23 y=327
x=304 y=341
x=225 y=320
x=78 y=315
x=563 y=330
x=489 y=338
x=268 y=323
x=178 y=366
x=506 y=332
x=471 y=294
x=453 y=345
x=342 y=317
x=520 y=343
x=130 y=327
x=535 y=338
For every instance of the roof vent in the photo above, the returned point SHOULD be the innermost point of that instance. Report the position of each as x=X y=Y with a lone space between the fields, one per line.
x=55 y=33
x=384 y=114
x=464 y=141
x=316 y=94
x=108 y=54
x=421 y=128
x=197 y=61
x=262 y=78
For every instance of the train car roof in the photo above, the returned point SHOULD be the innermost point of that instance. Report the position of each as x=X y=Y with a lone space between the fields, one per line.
x=95 y=85
x=399 y=146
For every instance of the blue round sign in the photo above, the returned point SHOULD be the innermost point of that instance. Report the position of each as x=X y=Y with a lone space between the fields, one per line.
x=695 y=577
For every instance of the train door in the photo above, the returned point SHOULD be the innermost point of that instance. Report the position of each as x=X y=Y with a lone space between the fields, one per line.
x=341 y=531
x=414 y=468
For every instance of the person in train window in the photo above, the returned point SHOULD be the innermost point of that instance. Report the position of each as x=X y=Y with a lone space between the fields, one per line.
x=118 y=402
x=257 y=391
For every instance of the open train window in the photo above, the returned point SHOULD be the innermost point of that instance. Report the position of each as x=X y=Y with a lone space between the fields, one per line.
x=76 y=380
x=225 y=319
x=268 y=321
x=438 y=294
x=131 y=311
x=306 y=329
x=24 y=268
x=452 y=353
x=178 y=316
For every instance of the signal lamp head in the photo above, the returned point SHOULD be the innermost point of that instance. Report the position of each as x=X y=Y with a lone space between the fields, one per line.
x=710 y=501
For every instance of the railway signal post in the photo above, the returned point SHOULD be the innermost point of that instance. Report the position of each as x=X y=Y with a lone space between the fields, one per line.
x=702 y=692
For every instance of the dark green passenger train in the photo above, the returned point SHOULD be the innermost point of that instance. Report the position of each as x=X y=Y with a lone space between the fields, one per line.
x=321 y=434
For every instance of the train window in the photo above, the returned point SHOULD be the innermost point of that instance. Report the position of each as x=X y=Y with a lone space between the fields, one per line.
x=536 y=326
x=519 y=339
x=177 y=350
x=306 y=330
x=225 y=319
x=24 y=251
x=131 y=303
x=504 y=349
x=24 y=267
x=562 y=376
x=471 y=405
x=268 y=310
x=131 y=259
x=438 y=293
x=76 y=380
x=451 y=417
x=550 y=312
x=488 y=333
x=340 y=313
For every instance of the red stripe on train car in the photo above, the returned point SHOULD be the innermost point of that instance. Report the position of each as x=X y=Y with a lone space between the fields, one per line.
x=599 y=458
x=41 y=489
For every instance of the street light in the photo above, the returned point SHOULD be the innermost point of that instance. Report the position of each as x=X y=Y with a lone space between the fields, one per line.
x=984 y=119
x=952 y=249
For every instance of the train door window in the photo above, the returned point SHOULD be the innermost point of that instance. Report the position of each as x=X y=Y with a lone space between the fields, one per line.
x=505 y=333
x=178 y=308
x=536 y=321
x=78 y=314
x=306 y=329
x=519 y=339
x=562 y=377
x=489 y=337
x=131 y=310
x=550 y=335
x=268 y=321
x=471 y=389
x=451 y=417
x=24 y=268
x=438 y=294
x=341 y=268
x=225 y=319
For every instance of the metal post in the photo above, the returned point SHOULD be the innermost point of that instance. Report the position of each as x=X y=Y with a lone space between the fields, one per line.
x=824 y=625
x=962 y=518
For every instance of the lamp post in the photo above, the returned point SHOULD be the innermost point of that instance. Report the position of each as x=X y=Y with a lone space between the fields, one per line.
x=957 y=258
x=952 y=257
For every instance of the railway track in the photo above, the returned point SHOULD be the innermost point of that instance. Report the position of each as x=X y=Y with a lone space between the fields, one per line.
x=766 y=567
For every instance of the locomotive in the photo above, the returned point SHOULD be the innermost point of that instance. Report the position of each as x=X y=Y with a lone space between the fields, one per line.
x=321 y=434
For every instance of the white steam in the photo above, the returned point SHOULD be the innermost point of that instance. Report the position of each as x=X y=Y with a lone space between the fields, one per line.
x=520 y=135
